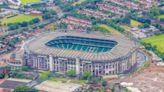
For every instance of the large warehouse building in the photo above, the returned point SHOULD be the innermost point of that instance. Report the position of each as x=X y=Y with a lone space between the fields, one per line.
x=94 y=52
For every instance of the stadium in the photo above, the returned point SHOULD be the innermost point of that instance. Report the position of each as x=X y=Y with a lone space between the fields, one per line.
x=94 y=52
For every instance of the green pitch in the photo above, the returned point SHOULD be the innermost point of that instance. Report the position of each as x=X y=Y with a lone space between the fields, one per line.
x=157 y=41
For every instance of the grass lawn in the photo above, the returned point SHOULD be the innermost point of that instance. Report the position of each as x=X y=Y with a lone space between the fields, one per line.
x=78 y=2
x=110 y=29
x=59 y=79
x=125 y=27
x=134 y=23
x=82 y=82
x=44 y=75
x=157 y=41
x=161 y=17
x=19 y=18
x=24 y=2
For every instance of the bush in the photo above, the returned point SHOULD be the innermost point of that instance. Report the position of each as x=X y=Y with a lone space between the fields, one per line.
x=71 y=73
x=86 y=75
x=44 y=75
x=25 y=68
x=35 y=20
x=103 y=82
x=145 y=25
x=2 y=75
x=23 y=88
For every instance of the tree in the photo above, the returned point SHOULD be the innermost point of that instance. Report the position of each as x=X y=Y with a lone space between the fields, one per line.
x=162 y=20
x=71 y=73
x=13 y=26
x=44 y=75
x=24 y=24
x=47 y=16
x=154 y=11
x=12 y=74
x=161 y=28
x=15 y=40
x=63 y=25
x=23 y=88
x=86 y=74
x=36 y=20
x=2 y=75
x=145 y=25
x=25 y=68
x=126 y=19
x=103 y=82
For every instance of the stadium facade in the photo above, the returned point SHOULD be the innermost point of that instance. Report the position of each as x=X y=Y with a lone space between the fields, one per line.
x=95 y=52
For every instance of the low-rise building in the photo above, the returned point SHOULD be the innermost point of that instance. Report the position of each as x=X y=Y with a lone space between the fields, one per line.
x=8 y=12
x=143 y=33
x=2 y=2
x=129 y=4
x=94 y=13
x=36 y=13
x=77 y=21
x=111 y=8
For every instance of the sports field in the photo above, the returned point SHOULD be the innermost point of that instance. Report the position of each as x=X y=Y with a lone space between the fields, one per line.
x=110 y=29
x=157 y=41
x=19 y=18
x=134 y=23
x=24 y=2
x=161 y=17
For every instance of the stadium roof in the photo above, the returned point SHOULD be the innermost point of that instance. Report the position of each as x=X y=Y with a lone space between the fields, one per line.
x=82 y=44
x=37 y=45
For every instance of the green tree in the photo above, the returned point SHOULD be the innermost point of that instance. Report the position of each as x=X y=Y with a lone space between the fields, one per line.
x=145 y=25
x=21 y=88
x=25 y=68
x=154 y=11
x=12 y=74
x=71 y=73
x=63 y=25
x=2 y=75
x=35 y=20
x=103 y=82
x=44 y=75
x=13 y=26
x=86 y=74
x=126 y=19
x=24 y=24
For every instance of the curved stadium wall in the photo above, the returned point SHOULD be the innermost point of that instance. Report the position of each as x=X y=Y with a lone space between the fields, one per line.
x=98 y=54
